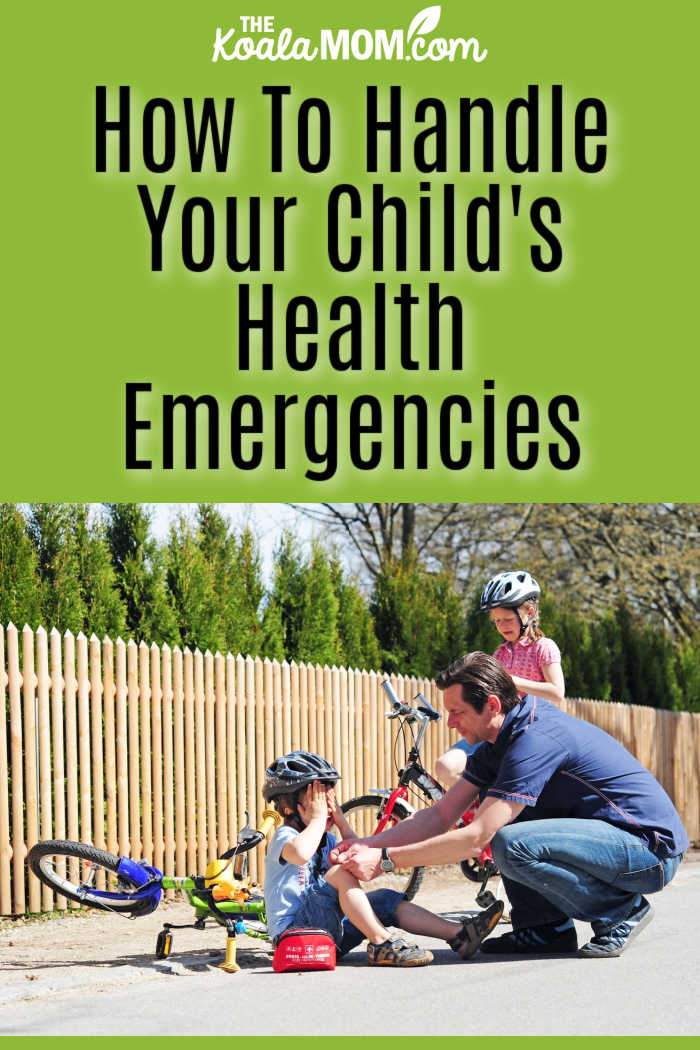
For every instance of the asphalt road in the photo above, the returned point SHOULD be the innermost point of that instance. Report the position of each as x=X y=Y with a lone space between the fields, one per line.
x=651 y=990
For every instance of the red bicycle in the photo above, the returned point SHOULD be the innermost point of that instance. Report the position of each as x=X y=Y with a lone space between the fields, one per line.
x=370 y=814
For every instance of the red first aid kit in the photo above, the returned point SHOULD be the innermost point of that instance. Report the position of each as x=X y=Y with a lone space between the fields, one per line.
x=303 y=949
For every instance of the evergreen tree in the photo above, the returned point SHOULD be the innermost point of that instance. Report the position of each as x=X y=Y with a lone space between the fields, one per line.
x=418 y=619
x=272 y=633
x=20 y=599
x=286 y=600
x=140 y=573
x=235 y=568
x=104 y=610
x=250 y=592
x=356 y=644
x=217 y=545
x=687 y=675
x=52 y=529
x=192 y=589
x=317 y=635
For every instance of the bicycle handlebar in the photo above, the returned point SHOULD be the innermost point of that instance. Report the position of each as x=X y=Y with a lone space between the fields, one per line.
x=401 y=709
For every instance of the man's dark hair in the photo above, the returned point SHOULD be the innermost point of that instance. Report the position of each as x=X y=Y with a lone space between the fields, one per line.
x=480 y=677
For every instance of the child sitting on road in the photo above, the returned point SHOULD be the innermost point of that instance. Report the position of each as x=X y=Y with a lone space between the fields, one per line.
x=303 y=889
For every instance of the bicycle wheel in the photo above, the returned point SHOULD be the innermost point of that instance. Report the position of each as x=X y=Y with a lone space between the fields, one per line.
x=363 y=816
x=71 y=869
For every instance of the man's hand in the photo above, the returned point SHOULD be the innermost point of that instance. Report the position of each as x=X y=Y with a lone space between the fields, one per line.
x=360 y=860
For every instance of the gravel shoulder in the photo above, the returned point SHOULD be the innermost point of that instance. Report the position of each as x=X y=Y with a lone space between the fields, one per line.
x=55 y=957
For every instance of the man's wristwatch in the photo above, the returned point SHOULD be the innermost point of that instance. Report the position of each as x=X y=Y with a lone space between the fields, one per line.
x=387 y=863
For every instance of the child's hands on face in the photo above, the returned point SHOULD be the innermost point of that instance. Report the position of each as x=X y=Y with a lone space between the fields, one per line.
x=313 y=802
x=333 y=805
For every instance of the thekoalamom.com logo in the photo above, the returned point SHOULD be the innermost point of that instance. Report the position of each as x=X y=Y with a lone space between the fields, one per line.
x=415 y=43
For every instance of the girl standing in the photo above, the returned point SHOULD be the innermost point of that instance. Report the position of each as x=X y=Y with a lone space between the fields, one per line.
x=532 y=660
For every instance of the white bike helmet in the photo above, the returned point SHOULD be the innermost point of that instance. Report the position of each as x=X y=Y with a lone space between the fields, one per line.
x=509 y=590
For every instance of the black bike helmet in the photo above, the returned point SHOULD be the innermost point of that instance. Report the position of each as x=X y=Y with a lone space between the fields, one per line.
x=295 y=770
x=508 y=590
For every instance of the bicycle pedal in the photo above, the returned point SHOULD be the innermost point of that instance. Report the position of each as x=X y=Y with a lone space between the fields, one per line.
x=164 y=944
x=485 y=899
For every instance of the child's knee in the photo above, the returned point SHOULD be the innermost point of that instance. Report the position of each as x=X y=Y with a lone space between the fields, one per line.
x=338 y=877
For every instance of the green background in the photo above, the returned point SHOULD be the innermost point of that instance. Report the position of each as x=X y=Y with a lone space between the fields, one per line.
x=83 y=314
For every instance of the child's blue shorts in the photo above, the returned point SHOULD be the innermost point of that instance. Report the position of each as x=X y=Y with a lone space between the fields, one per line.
x=321 y=908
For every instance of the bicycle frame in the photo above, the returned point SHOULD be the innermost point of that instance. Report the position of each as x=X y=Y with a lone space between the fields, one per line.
x=224 y=893
x=413 y=772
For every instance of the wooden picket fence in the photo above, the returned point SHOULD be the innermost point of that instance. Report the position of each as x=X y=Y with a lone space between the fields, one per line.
x=160 y=754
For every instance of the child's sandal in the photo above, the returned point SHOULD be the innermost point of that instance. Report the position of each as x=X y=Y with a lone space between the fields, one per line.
x=474 y=930
x=397 y=953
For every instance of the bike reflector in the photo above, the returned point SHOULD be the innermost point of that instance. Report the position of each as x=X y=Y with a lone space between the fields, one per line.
x=303 y=949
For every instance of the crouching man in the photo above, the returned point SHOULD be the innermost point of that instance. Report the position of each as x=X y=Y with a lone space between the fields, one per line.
x=578 y=828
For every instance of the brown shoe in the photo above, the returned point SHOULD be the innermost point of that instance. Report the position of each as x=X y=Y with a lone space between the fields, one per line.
x=474 y=930
x=398 y=953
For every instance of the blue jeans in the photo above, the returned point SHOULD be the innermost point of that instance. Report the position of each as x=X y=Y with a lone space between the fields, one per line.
x=580 y=869
x=321 y=908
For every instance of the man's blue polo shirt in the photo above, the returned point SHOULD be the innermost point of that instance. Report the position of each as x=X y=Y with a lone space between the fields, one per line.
x=560 y=766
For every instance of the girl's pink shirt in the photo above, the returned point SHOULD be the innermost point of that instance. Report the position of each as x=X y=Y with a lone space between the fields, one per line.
x=526 y=659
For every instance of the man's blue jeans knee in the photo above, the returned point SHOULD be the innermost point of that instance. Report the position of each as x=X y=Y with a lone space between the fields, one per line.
x=582 y=869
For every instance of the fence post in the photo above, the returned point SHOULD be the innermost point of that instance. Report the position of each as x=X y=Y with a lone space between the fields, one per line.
x=108 y=707
x=96 y=745
x=5 y=848
x=260 y=763
x=304 y=741
x=18 y=843
x=310 y=676
x=251 y=772
x=44 y=742
x=231 y=747
x=145 y=752
x=31 y=799
x=329 y=716
x=222 y=758
x=122 y=749
x=71 y=727
x=286 y=689
x=277 y=707
x=345 y=766
x=241 y=742
x=156 y=704
x=296 y=711
x=355 y=723
x=337 y=750
x=210 y=754
x=200 y=761
x=132 y=664
x=168 y=763
x=85 y=775
x=269 y=721
x=321 y=700
x=169 y=771
x=190 y=762
x=179 y=762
